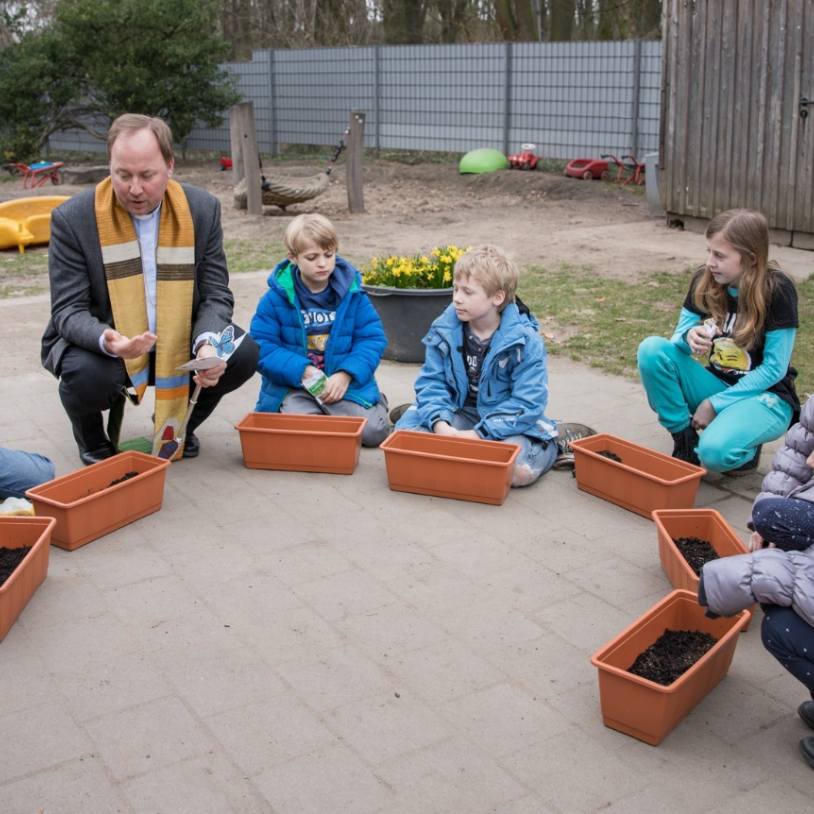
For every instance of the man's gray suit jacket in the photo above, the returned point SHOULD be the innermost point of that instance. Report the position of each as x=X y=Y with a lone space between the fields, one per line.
x=80 y=303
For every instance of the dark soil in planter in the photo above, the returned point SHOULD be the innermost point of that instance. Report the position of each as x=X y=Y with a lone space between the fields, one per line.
x=696 y=552
x=606 y=453
x=671 y=655
x=10 y=558
x=122 y=479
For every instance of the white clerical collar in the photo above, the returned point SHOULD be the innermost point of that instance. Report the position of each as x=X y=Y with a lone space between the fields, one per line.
x=152 y=214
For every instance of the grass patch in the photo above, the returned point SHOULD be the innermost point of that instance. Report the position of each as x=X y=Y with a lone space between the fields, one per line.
x=600 y=322
x=23 y=274
x=245 y=255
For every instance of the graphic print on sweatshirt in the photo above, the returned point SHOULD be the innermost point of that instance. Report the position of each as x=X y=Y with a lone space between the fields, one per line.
x=726 y=355
x=318 y=323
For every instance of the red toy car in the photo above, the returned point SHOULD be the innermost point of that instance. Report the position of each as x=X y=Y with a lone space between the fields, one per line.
x=587 y=169
x=523 y=161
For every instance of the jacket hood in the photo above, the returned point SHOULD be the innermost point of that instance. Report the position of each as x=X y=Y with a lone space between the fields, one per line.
x=345 y=278
x=513 y=325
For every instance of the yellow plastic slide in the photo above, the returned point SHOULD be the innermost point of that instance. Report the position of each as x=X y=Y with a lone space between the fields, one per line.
x=27 y=220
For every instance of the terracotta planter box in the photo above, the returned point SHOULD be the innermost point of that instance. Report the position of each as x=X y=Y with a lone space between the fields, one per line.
x=84 y=513
x=644 y=481
x=301 y=443
x=650 y=711
x=706 y=524
x=443 y=466
x=17 y=532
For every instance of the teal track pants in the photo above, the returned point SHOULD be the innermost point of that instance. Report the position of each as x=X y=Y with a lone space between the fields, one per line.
x=676 y=384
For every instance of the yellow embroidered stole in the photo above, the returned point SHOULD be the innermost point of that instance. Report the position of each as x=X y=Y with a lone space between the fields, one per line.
x=175 y=277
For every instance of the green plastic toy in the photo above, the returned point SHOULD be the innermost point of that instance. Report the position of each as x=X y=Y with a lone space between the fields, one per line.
x=485 y=160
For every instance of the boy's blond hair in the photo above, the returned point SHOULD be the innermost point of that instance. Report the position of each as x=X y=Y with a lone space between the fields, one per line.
x=310 y=227
x=491 y=268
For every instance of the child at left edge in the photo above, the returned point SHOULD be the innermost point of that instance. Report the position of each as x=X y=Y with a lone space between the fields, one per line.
x=316 y=317
x=484 y=376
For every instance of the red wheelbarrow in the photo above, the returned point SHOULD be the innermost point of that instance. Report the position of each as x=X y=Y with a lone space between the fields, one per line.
x=587 y=169
x=35 y=175
x=630 y=170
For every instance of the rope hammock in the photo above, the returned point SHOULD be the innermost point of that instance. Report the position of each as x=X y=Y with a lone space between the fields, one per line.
x=283 y=192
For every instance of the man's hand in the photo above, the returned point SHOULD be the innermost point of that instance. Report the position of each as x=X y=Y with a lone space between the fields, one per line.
x=125 y=348
x=335 y=387
x=704 y=415
x=208 y=378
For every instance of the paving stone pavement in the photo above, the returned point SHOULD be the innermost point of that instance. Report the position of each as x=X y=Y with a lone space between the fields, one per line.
x=293 y=642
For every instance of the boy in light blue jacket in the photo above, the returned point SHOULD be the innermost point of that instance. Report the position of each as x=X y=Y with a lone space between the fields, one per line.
x=484 y=375
x=316 y=321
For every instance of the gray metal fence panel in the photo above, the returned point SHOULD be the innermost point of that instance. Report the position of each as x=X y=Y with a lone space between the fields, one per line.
x=569 y=99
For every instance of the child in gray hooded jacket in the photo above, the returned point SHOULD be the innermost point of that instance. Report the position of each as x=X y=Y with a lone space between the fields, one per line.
x=779 y=573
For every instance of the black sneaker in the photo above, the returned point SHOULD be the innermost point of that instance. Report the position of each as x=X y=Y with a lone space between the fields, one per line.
x=748 y=467
x=684 y=444
x=568 y=432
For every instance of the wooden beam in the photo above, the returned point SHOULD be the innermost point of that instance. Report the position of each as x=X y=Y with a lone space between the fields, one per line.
x=356 y=139
x=245 y=155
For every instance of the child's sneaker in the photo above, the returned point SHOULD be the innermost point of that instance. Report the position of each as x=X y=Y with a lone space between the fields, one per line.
x=748 y=467
x=16 y=507
x=569 y=432
x=684 y=443
x=397 y=412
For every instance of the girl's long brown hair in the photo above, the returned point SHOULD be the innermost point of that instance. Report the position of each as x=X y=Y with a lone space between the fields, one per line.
x=748 y=233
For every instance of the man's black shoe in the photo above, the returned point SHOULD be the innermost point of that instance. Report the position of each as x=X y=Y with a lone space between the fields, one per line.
x=806 y=712
x=192 y=446
x=807 y=748
x=101 y=453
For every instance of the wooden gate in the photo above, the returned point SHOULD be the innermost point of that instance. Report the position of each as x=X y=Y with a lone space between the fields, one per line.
x=735 y=129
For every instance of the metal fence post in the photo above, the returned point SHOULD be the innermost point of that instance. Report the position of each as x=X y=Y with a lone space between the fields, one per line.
x=378 y=96
x=637 y=92
x=275 y=147
x=507 y=97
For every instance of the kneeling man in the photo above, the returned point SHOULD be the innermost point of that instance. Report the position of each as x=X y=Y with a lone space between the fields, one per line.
x=138 y=285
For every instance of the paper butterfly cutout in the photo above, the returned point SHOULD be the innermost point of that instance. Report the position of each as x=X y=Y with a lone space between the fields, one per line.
x=225 y=343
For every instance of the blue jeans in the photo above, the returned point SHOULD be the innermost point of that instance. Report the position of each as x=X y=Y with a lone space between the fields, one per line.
x=676 y=384
x=22 y=470
x=785 y=521
x=534 y=459
x=790 y=639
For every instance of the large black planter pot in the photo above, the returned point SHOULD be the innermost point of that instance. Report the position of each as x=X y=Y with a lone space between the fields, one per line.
x=407 y=314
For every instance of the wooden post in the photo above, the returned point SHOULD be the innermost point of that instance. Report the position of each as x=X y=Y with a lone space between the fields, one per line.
x=356 y=139
x=245 y=155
